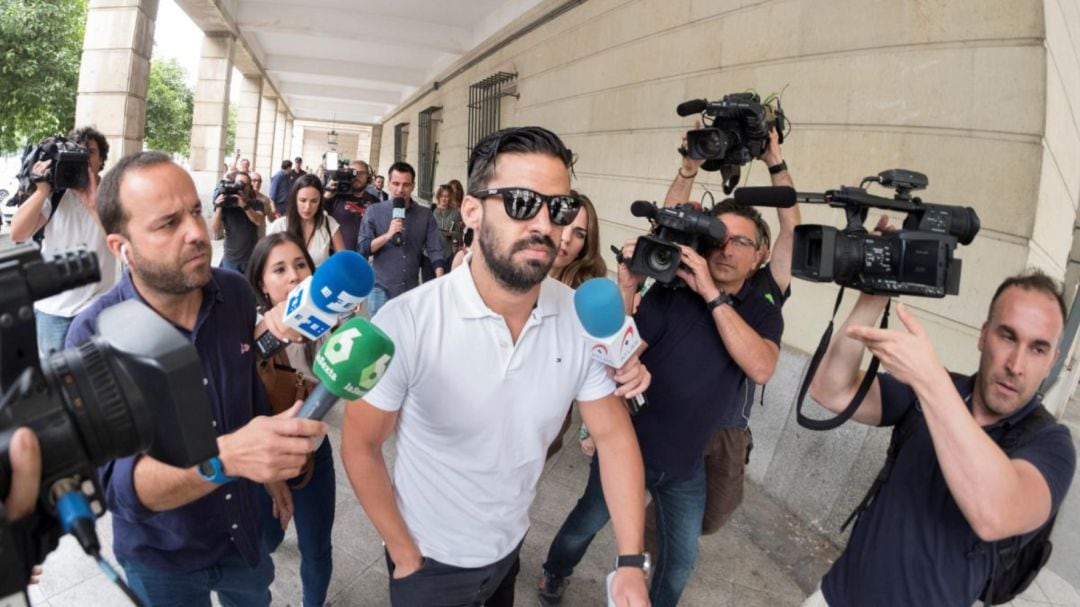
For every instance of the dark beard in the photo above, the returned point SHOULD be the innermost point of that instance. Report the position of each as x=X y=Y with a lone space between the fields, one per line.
x=515 y=278
x=168 y=279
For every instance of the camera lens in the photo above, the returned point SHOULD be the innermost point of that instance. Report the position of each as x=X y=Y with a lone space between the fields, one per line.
x=111 y=417
x=849 y=257
x=661 y=259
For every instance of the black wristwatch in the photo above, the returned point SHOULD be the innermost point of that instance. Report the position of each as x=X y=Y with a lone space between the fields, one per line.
x=776 y=169
x=642 y=561
x=719 y=300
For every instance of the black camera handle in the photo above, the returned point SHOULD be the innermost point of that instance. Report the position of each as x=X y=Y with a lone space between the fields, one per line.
x=860 y=394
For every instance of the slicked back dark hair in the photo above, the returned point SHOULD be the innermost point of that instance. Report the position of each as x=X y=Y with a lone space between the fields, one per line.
x=402 y=167
x=286 y=165
x=83 y=134
x=1032 y=280
x=514 y=140
x=110 y=210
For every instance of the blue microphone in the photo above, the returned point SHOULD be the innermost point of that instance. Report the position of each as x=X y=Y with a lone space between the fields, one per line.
x=340 y=284
x=613 y=334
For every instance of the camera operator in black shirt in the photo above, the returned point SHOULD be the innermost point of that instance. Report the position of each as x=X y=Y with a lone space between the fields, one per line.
x=237 y=217
x=347 y=204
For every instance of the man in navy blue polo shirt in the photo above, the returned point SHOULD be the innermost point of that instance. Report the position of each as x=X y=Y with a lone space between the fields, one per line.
x=179 y=534
x=704 y=341
x=952 y=487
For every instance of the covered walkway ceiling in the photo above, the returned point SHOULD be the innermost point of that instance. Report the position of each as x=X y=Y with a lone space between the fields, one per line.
x=351 y=60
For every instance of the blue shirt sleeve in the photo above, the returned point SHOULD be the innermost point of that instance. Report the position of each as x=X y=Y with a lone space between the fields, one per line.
x=651 y=316
x=1053 y=454
x=367 y=232
x=896 y=399
x=433 y=242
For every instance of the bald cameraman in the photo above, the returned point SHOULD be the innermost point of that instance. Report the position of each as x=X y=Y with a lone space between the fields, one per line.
x=348 y=204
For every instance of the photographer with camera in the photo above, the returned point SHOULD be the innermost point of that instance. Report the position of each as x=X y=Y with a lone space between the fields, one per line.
x=982 y=464
x=729 y=448
x=347 y=202
x=704 y=341
x=68 y=216
x=181 y=533
x=238 y=214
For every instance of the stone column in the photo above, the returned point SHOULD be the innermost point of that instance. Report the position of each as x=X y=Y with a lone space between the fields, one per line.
x=115 y=71
x=289 y=150
x=247 y=118
x=373 y=156
x=210 y=118
x=264 y=149
x=280 y=150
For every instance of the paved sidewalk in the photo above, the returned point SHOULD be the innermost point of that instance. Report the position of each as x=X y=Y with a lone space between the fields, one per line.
x=765 y=557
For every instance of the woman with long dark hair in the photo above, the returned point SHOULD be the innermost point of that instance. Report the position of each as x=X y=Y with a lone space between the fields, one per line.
x=307 y=220
x=278 y=263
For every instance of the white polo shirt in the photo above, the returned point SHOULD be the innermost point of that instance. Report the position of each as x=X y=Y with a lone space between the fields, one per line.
x=477 y=412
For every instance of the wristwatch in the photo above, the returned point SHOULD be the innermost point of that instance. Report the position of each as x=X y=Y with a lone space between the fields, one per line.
x=642 y=561
x=719 y=300
x=214 y=471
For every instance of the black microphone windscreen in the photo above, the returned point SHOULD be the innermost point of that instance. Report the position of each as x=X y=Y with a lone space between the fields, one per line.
x=779 y=196
x=398 y=203
x=694 y=106
x=643 y=208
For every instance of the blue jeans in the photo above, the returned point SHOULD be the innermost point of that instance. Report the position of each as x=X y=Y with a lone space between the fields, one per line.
x=680 y=506
x=313 y=512
x=232 y=265
x=51 y=331
x=375 y=300
x=236 y=583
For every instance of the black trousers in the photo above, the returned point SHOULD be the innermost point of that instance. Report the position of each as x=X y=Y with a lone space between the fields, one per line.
x=437 y=584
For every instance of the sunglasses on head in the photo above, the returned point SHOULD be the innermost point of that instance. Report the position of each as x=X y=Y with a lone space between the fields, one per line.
x=523 y=204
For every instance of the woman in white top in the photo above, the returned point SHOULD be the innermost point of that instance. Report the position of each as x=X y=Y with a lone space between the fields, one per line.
x=306 y=219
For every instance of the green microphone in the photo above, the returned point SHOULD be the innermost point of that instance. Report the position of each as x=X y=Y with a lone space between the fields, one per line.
x=348 y=366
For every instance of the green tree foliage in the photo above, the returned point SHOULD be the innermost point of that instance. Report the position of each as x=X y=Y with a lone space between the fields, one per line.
x=40 y=51
x=230 y=132
x=170 y=103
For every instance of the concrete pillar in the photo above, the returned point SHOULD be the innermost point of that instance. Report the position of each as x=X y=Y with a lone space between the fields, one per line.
x=376 y=143
x=264 y=149
x=210 y=119
x=115 y=71
x=279 y=132
x=247 y=118
x=289 y=148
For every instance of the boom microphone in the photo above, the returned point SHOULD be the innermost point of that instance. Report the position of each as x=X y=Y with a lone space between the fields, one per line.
x=693 y=106
x=336 y=287
x=778 y=196
x=613 y=334
x=348 y=366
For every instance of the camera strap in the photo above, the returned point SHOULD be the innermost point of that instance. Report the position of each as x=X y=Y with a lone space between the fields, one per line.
x=815 y=360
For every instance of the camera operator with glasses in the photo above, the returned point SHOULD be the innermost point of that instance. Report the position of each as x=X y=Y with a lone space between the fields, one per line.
x=347 y=206
x=729 y=447
x=69 y=218
x=704 y=342
x=237 y=219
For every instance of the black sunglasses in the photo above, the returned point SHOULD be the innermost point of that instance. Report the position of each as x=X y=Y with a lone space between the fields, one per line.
x=523 y=204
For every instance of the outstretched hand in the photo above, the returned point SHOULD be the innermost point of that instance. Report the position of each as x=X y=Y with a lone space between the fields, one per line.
x=906 y=355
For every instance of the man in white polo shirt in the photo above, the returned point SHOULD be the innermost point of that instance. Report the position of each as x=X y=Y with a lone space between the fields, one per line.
x=488 y=361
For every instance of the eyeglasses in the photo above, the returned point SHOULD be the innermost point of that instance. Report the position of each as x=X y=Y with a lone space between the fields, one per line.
x=523 y=204
x=742 y=241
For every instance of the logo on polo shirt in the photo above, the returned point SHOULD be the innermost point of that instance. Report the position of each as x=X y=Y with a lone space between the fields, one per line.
x=245 y=347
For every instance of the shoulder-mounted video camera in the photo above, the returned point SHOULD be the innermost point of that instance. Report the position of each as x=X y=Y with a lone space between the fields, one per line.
x=232 y=190
x=134 y=387
x=736 y=131
x=914 y=260
x=657 y=254
x=69 y=168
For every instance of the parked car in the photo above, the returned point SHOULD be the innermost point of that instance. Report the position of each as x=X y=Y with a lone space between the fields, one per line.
x=8 y=204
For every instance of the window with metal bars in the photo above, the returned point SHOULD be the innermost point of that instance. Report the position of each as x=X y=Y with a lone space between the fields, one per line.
x=401 y=141
x=484 y=104
x=429 y=152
